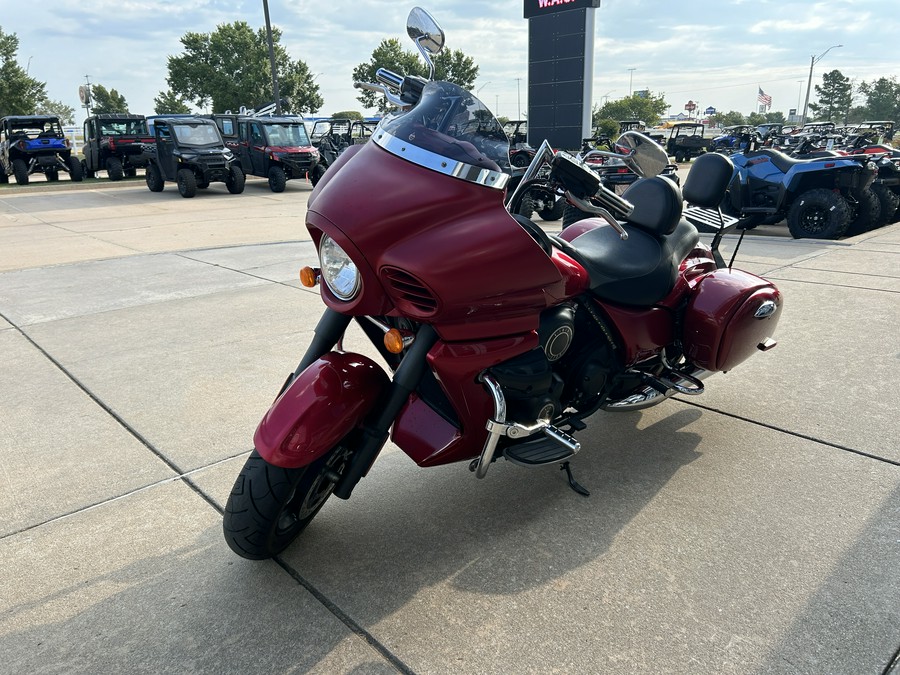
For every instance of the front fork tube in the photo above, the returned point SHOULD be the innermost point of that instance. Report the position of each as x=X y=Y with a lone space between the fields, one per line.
x=375 y=433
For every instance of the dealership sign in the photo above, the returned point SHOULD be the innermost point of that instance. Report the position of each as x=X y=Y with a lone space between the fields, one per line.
x=540 y=7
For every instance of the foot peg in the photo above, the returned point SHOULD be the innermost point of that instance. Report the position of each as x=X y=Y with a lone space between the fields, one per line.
x=555 y=446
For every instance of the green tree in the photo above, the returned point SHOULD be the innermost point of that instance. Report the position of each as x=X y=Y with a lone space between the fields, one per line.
x=347 y=115
x=756 y=119
x=19 y=93
x=107 y=101
x=728 y=119
x=452 y=66
x=65 y=113
x=776 y=117
x=882 y=99
x=835 y=96
x=606 y=127
x=168 y=103
x=229 y=68
x=649 y=108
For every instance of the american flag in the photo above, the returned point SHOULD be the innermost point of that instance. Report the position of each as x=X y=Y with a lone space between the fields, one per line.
x=764 y=98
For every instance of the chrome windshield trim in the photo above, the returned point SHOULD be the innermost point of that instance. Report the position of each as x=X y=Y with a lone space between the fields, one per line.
x=436 y=162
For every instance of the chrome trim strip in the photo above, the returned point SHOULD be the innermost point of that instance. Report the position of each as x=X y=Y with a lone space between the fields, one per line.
x=435 y=162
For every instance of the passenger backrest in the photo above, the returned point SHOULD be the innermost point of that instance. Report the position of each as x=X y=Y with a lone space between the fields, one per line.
x=708 y=179
x=657 y=205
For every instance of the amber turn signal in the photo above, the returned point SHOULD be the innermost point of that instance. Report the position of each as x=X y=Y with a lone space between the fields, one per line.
x=309 y=277
x=393 y=341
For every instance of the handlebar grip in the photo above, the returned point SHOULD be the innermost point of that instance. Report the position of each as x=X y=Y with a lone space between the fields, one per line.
x=389 y=78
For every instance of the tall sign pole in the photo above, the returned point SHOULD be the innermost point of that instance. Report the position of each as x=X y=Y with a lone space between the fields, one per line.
x=272 y=59
x=560 y=70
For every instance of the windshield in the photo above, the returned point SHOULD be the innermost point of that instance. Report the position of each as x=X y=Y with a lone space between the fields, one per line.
x=123 y=128
x=197 y=134
x=452 y=123
x=287 y=134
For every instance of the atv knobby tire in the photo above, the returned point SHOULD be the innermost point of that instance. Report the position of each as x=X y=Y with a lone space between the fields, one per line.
x=555 y=212
x=235 y=181
x=20 y=171
x=889 y=201
x=114 y=168
x=187 y=183
x=866 y=215
x=277 y=179
x=75 y=172
x=154 y=178
x=818 y=214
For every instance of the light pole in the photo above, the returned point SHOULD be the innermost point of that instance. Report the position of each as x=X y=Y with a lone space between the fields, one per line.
x=272 y=59
x=813 y=60
x=605 y=97
x=630 y=79
x=477 y=91
x=519 y=97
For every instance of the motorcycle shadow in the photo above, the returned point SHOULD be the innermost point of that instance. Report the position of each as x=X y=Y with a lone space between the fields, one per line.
x=519 y=528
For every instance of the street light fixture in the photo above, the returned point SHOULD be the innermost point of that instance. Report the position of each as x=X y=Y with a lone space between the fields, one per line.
x=478 y=91
x=272 y=58
x=813 y=60
x=605 y=97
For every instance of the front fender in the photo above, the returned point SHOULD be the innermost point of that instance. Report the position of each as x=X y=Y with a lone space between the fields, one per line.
x=319 y=408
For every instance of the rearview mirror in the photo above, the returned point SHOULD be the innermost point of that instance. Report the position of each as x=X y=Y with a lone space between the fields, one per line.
x=646 y=158
x=425 y=31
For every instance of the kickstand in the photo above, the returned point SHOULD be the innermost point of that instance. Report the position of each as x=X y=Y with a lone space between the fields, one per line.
x=574 y=484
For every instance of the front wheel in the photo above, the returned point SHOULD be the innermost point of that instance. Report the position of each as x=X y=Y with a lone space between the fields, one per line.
x=154 y=178
x=187 y=183
x=277 y=179
x=554 y=212
x=75 y=173
x=235 y=181
x=269 y=506
x=819 y=213
x=317 y=173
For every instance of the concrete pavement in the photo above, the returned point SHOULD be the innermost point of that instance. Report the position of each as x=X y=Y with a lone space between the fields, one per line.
x=755 y=529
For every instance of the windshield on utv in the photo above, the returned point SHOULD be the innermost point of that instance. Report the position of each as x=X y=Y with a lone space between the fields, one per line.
x=197 y=135
x=448 y=123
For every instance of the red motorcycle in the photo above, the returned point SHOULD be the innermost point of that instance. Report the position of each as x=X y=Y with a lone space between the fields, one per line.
x=498 y=340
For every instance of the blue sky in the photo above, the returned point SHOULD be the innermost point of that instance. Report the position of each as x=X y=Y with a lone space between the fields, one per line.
x=716 y=54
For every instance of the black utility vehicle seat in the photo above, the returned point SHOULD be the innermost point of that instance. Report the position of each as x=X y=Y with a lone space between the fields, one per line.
x=643 y=269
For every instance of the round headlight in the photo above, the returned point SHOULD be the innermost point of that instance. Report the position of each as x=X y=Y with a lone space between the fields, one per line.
x=338 y=271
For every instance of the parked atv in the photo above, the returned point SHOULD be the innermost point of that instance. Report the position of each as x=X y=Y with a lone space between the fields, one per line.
x=35 y=144
x=817 y=196
x=332 y=137
x=686 y=141
x=736 y=138
x=277 y=148
x=114 y=142
x=641 y=127
x=190 y=151
x=520 y=153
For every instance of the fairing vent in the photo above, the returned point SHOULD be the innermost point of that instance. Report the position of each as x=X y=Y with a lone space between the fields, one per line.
x=409 y=294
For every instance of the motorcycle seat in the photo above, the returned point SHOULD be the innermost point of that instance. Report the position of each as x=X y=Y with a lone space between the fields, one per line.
x=641 y=270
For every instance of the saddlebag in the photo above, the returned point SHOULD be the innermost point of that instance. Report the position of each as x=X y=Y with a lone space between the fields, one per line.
x=729 y=316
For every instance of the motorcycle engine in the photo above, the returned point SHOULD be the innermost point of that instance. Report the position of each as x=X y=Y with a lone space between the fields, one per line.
x=532 y=390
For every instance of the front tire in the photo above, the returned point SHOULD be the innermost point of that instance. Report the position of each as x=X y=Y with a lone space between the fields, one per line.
x=154 y=178
x=269 y=506
x=572 y=214
x=187 y=183
x=317 y=173
x=818 y=214
x=277 y=179
x=235 y=181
